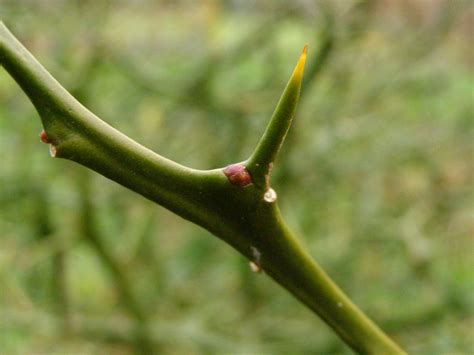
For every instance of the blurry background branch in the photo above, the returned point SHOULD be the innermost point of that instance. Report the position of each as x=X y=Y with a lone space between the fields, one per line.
x=118 y=272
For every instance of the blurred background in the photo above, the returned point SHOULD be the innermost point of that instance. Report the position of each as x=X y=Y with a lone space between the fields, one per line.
x=376 y=177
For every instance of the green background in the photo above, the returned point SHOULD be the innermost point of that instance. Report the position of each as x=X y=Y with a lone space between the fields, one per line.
x=376 y=176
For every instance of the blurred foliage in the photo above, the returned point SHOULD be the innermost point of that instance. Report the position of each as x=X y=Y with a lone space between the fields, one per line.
x=376 y=177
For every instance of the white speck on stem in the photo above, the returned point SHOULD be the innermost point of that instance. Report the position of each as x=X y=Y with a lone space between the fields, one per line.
x=255 y=264
x=270 y=195
x=254 y=267
x=52 y=150
x=339 y=304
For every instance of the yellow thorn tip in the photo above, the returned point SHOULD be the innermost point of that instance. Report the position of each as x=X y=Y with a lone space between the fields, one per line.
x=298 y=72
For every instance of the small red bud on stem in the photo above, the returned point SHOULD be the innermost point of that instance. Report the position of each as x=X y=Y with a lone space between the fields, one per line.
x=44 y=137
x=238 y=175
x=52 y=148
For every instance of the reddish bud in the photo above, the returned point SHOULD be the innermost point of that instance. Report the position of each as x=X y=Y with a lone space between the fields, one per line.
x=44 y=137
x=238 y=175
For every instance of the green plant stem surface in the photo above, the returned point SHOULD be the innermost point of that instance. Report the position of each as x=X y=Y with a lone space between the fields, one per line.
x=240 y=215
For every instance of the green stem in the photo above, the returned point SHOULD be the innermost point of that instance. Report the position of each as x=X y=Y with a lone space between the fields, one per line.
x=239 y=215
x=286 y=262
